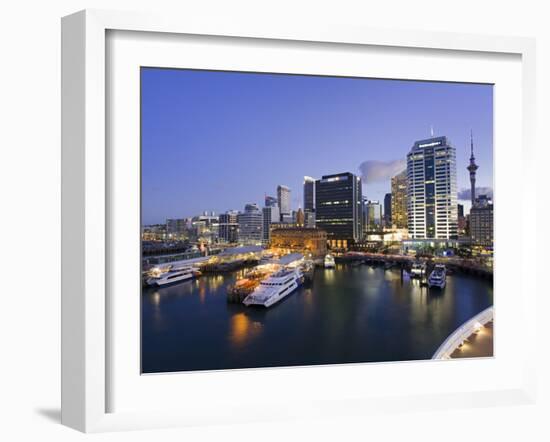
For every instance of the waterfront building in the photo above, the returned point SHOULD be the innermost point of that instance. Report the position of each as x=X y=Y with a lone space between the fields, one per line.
x=399 y=216
x=481 y=222
x=387 y=210
x=250 y=224
x=206 y=227
x=270 y=201
x=472 y=167
x=228 y=227
x=270 y=215
x=176 y=228
x=431 y=190
x=299 y=239
x=283 y=198
x=309 y=193
x=154 y=232
x=373 y=219
x=339 y=209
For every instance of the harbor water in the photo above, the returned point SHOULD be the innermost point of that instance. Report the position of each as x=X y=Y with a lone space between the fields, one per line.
x=349 y=314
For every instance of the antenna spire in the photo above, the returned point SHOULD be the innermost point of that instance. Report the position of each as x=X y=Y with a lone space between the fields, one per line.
x=432 y=130
x=472 y=143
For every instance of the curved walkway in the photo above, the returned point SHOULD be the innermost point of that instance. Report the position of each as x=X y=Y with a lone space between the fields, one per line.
x=478 y=345
x=472 y=339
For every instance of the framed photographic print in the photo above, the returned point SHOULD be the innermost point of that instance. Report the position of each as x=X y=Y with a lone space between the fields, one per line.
x=314 y=215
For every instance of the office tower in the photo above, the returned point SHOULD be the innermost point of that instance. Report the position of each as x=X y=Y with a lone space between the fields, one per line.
x=373 y=219
x=176 y=228
x=250 y=224
x=309 y=219
x=339 y=209
x=309 y=194
x=472 y=167
x=481 y=222
x=228 y=227
x=387 y=210
x=432 y=194
x=461 y=220
x=270 y=201
x=399 y=216
x=270 y=215
x=283 y=197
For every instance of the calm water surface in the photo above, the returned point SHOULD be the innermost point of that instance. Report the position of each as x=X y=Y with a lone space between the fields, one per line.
x=348 y=314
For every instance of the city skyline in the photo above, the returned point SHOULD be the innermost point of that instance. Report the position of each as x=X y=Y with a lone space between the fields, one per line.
x=286 y=127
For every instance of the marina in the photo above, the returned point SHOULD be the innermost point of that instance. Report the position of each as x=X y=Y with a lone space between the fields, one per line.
x=351 y=313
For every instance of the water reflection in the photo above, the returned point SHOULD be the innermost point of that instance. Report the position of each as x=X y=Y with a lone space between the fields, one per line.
x=243 y=329
x=348 y=314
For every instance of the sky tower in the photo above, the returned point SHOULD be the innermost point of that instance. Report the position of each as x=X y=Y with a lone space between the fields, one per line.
x=472 y=167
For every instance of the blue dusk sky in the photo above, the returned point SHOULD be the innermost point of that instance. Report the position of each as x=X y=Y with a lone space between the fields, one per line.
x=217 y=140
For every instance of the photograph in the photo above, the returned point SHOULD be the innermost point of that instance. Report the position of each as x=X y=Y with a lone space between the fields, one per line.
x=302 y=220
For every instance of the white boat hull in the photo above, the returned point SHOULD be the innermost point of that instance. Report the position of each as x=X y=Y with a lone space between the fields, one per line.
x=164 y=281
x=274 y=299
x=437 y=284
x=267 y=300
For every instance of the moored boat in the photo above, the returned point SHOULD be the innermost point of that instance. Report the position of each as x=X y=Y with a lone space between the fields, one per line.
x=173 y=276
x=438 y=277
x=329 y=262
x=274 y=288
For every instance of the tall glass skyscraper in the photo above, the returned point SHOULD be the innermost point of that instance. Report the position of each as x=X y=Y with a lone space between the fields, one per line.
x=387 y=210
x=399 y=204
x=339 y=209
x=309 y=194
x=250 y=224
x=283 y=197
x=431 y=190
x=228 y=227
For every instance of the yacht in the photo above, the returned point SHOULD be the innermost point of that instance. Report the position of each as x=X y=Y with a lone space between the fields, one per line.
x=438 y=277
x=329 y=262
x=172 y=276
x=418 y=270
x=275 y=287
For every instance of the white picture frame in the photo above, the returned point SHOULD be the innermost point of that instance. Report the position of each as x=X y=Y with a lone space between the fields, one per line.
x=86 y=356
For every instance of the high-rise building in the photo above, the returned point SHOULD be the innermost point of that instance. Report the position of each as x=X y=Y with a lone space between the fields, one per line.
x=176 y=228
x=309 y=193
x=373 y=212
x=481 y=222
x=270 y=216
x=387 y=210
x=472 y=167
x=250 y=224
x=432 y=193
x=270 y=201
x=461 y=220
x=339 y=209
x=228 y=227
x=309 y=219
x=399 y=216
x=283 y=197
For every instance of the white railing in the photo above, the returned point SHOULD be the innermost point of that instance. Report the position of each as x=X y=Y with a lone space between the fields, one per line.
x=462 y=333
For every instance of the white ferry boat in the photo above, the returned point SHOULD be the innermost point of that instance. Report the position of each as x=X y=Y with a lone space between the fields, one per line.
x=418 y=270
x=438 y=277
x=274 y=288
x=172 y=276
x=329 y=262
